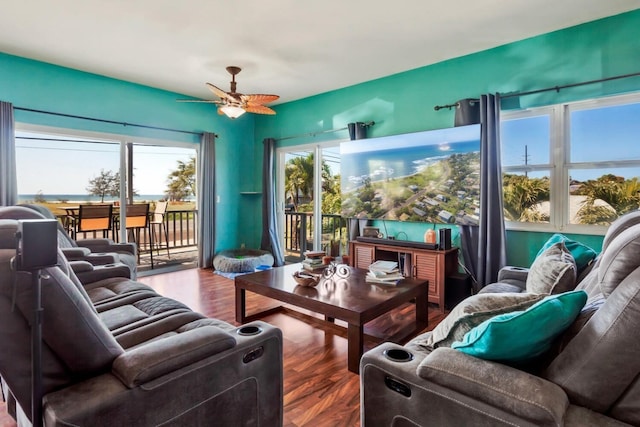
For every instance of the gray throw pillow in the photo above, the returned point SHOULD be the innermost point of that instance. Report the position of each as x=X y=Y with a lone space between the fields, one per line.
x=553 y=272
x=474 y=310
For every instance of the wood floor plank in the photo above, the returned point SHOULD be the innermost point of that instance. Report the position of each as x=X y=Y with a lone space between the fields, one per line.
x=318 y=388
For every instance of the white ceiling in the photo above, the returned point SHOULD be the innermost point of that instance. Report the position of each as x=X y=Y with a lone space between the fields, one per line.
x=293 y=48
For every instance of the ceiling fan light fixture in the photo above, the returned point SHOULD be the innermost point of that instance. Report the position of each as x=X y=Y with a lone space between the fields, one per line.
x=232 y=111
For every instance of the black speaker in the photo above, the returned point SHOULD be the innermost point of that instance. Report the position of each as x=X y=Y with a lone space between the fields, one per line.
x=37 y=244
x=445 y=238
x=457 y=288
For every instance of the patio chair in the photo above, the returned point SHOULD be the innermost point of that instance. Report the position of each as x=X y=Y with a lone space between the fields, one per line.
x=94 y=218
x=157 y=219
x=137 y=219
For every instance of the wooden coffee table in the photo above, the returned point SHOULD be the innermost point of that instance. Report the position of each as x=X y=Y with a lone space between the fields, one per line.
x=352 y=300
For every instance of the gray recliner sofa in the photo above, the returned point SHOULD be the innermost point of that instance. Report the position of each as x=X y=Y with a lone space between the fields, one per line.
x=590 y=377
x=131 y=357
x=98 y=251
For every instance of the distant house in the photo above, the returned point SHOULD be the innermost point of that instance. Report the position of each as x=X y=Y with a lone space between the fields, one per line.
x=414 y=188
x=419 y=212
x=446 y=216
x=441 y=198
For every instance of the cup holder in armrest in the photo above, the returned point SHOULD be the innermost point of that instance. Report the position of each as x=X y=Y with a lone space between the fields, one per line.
x=398 y=355
x=249 y=330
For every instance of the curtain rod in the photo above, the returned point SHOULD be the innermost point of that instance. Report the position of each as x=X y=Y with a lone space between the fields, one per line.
x=113 y=122
x=302 y=135
x=548 y=89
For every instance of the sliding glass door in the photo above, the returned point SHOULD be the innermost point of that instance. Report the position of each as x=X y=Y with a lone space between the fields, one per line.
x=309 y=200
x=65 y=169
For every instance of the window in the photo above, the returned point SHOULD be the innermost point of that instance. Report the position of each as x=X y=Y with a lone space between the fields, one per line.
x=309 y=194
x=526 y=160
x=572 y=167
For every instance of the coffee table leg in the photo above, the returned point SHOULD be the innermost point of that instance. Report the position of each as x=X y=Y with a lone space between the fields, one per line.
x=422 y=316
x=355 y=336
x=241 y=305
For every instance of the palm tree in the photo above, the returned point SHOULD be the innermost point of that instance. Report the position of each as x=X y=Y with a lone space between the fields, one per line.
x=521 y=194
x=299 y=178
x=619 y=196
x=181 y=182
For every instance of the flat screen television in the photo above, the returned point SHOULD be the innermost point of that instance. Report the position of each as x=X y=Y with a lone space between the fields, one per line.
x=431 y=176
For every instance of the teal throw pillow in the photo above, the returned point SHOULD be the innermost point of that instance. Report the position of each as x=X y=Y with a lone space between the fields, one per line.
x=582 y=253
x=522 y=335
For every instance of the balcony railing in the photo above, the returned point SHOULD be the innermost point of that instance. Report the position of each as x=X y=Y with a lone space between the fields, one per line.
x=298 y=234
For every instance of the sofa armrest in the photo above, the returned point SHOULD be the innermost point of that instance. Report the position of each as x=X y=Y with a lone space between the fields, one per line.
x=456 y=388
x=96 y=273
x=85 y=254
x=160 y=357
x=525 y=395
x=75 y=254
x=107 y=245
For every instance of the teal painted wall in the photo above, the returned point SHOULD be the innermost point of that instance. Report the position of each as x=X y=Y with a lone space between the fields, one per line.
x=404 y=102
x=399 y=103
x=37 y=85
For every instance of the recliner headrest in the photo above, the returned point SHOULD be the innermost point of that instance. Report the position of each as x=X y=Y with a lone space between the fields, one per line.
x=621 y=257
x=19 y=212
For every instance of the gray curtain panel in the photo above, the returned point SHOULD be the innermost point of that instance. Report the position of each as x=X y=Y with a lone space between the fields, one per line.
x=357 y=130
x=8 y=180
x=206 y=200
x=270 y=241
x=469 y=249
x=492 y=239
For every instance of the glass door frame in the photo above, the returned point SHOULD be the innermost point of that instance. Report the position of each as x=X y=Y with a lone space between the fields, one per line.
x=125 y=141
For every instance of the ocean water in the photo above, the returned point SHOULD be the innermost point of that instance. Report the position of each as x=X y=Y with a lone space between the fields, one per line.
x=397 y=162
x=52 y=198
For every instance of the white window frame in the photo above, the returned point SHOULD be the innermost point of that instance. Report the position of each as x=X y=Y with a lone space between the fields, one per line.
x=560 y=162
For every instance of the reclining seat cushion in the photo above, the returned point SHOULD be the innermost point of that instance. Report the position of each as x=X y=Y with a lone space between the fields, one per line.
x=147 y=313
x=116 y=291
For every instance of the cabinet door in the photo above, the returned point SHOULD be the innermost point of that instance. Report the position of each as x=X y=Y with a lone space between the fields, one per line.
x=426 y=266
x=363 y=256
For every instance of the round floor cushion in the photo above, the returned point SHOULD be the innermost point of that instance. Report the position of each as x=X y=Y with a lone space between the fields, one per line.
x=241 y=260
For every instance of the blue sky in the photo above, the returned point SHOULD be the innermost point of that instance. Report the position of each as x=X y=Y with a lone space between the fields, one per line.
x=601 y=134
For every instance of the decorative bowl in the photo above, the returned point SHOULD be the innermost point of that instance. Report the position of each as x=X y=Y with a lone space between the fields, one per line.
x=304 y=278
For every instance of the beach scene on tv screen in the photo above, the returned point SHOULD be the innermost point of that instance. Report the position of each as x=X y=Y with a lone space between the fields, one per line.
x=431 y=176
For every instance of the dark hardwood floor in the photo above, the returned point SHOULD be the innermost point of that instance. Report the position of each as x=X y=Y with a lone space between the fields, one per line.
x=318 y=388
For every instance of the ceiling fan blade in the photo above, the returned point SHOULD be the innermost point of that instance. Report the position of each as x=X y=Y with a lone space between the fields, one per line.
x=198 y=100
x=258 y=109
x=259 y=98
x=218 y=92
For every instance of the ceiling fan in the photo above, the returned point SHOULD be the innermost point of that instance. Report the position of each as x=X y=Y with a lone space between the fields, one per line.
x=234 y=104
